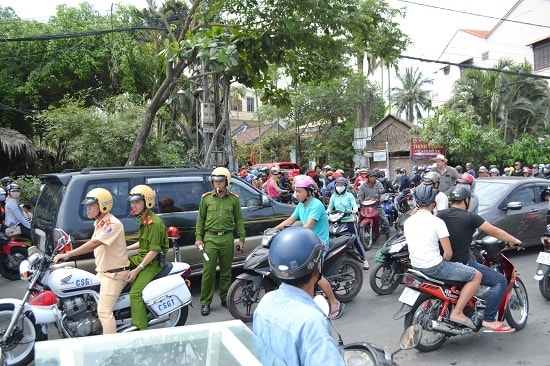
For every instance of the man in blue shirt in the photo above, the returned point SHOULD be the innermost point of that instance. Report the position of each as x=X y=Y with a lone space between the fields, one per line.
x=311 y=212
x=287 y=320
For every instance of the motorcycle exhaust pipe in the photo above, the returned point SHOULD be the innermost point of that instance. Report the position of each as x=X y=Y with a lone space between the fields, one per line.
x=447 y=329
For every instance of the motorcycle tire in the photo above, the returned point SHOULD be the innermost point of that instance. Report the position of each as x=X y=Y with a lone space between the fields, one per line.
x=19 y=348
x=239 y=298
x=177 y=318
x=517 y=308
x=365 y=233
x=9 y=267
x=425 y=310
x=384 y=279
x=346 y=278
x=544 y=287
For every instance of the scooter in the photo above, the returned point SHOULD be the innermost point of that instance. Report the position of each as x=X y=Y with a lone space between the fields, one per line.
x=369 y=222
x=12 y=253
x=543 y=271
x=67 y=298
x=389 y=208
x=364 y=353
x=428 y=301
x=392 y=261
x=342 y=268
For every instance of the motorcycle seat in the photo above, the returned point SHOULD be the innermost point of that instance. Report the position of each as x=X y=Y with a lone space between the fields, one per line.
x=435 y=280
x=338 y=241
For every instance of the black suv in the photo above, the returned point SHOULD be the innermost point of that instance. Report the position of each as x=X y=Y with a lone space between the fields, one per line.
x=58 y=206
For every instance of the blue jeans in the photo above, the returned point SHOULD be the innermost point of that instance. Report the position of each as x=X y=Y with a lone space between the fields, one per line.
x=357 y=243
x=451 y=271
x=497 y=283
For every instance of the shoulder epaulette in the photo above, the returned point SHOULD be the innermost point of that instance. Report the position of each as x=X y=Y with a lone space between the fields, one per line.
x=234 y=194
x=205 y=194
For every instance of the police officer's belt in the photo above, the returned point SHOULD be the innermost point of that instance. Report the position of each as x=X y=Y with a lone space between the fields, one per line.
x=116 y=270
x=219 y=233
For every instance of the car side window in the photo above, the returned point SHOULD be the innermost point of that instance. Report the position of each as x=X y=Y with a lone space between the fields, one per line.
x=525 y=195
x=177 y=196
x=247 y=197
x=538 y=191
x=118 y=188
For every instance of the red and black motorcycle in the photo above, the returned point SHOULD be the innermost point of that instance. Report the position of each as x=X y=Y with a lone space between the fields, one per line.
x=543 y=270
x=12 y=253
x=428 y=301
x=369 y=222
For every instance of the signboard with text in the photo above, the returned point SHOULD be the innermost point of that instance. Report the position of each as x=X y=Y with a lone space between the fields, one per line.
x=421 y=150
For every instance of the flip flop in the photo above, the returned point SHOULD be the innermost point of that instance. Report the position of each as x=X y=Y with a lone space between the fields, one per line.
x=337 y=314
x=466 y=322
x=500 y=329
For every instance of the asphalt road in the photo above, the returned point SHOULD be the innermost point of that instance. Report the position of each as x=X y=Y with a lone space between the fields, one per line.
x=369 y=318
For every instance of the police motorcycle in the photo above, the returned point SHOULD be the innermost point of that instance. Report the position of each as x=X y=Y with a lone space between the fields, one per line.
x=364 y=353
x=67 y=298
x=342 y=268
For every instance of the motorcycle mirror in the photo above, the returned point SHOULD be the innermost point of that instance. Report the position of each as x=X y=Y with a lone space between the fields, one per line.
x=411 y=337
x=322 y=303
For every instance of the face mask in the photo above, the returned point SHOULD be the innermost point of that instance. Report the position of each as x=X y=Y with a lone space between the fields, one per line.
x=2 y=198
x=330 y=177
x=340 y=189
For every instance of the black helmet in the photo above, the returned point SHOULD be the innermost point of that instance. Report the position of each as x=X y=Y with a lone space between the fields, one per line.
x=6 y=180
x=425 y=194
x=459 y=193
x=295 y=253
x=459 y=169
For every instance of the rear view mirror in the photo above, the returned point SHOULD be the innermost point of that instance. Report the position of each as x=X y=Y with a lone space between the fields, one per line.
x=514 y=206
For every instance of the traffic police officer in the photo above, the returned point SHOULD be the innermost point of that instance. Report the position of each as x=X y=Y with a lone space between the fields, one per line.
x=219 y=213
x=152 y=240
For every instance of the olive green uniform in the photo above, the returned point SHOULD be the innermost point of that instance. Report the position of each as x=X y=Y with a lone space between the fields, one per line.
x=152 y=236
x=216 y=220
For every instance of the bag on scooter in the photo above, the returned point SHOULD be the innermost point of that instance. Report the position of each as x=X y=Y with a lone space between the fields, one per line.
x=13 y=231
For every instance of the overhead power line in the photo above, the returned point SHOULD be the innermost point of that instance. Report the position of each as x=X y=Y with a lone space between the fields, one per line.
x=474 y=14
x=48 y=37
x=466 y=66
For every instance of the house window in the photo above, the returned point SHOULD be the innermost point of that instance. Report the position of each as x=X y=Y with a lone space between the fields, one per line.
x=468 y=62
x=446 y=70
x=541 y=55
x=236 y=104
x=485 y=56
x=250 y=104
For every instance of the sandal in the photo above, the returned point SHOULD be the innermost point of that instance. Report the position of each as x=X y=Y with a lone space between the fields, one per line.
x=337 y=314
x=500 y=329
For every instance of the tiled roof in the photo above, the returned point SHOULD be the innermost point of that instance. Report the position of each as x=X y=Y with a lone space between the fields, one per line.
x=478 y=33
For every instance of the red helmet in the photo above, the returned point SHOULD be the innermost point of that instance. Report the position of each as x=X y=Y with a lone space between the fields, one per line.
x=466 y=178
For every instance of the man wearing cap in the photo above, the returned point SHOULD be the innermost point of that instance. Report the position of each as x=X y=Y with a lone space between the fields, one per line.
x=518 y=170
x=448 y=174
x=374 y=189
x=470 y=170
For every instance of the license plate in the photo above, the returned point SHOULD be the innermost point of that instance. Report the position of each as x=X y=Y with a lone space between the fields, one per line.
x=544 y=258
x=167 y=305
x=409 y=296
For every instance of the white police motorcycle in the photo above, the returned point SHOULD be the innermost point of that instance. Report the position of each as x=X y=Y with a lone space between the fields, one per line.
x=67 y=298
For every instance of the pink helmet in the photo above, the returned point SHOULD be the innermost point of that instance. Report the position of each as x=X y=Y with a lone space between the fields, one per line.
x=304 y=181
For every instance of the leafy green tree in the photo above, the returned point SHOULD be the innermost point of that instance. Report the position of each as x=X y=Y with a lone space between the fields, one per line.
x=412 y=97
x=307 y=41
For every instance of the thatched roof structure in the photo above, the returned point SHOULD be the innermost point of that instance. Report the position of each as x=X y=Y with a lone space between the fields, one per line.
x=14 y=144
x=18 y=155
x=394 y=130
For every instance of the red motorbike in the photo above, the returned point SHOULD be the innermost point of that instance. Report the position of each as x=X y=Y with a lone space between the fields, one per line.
x=428 y=301
x=12 y=253
x=369 y=222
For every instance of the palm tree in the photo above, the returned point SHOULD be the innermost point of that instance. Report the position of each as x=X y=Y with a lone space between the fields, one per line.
x=412 y=98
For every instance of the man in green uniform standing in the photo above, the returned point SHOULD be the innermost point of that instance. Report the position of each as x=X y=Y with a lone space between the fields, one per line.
x=219 y=213
x=152 y=240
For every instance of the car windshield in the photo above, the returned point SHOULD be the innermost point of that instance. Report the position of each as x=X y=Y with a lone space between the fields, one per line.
x=489 y=192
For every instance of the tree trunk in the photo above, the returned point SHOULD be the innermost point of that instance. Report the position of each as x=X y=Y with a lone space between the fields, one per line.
x=152 y=109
